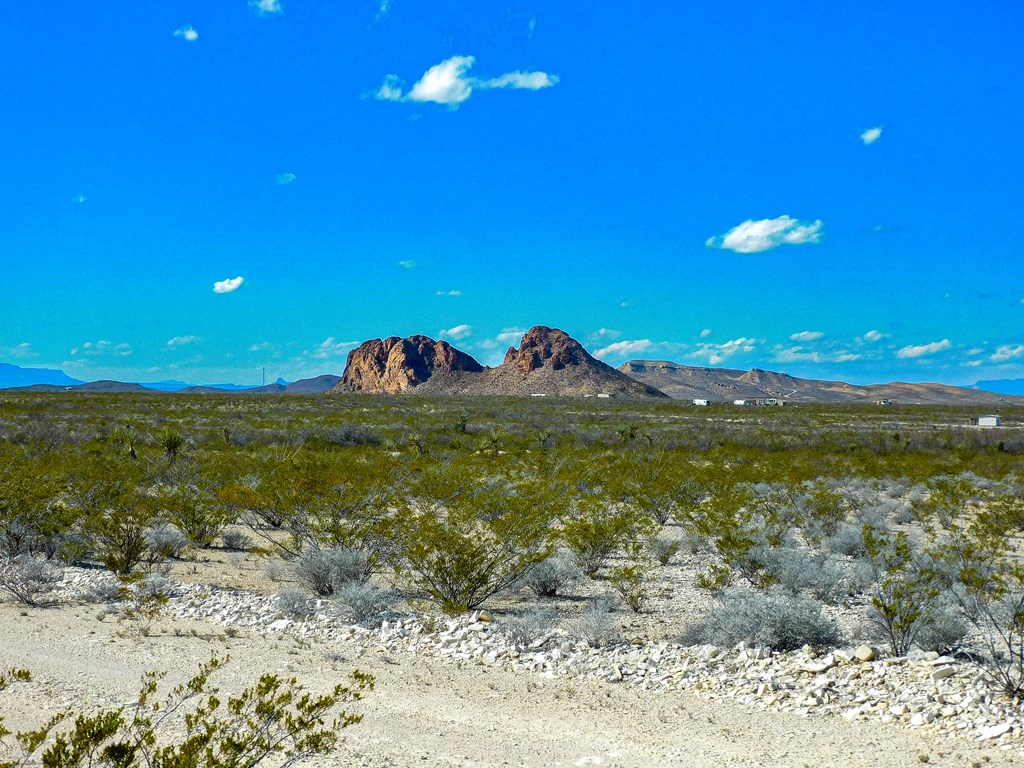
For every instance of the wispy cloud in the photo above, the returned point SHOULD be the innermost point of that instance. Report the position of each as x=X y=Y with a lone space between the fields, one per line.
x=81 y=199
x=181 y=341
x=624 y=348
x=331 y=347
x=510 y=335
x=450 y=83
x=458 y=332
x=765 y=234
x=806 y=336
x=799 y=354
x=1007 y=352
x=449 y=293
x=19 y=350
x=187 y=33
x=285 y=178
x=383 y=11
x=229 y=285
x=919 y=350
x=705 y=333
x=875 y=336
x=407 y=263
x=871 y=135
x=260 y=347
x=604 y=333
x=102 y=347
x=718 y=353
x=266 y=7
x=628 y=303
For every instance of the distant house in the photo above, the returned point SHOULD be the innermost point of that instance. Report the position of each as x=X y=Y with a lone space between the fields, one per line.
x=538 y=394
x=604 y=394
x=883 y=401
x=759 y=401
x=987 y=421
x=700 y=401
x=741 y=402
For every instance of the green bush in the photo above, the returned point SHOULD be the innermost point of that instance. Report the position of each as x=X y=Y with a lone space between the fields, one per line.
x=195 y=728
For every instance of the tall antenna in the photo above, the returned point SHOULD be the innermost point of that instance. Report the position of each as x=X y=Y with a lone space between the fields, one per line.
x=264 y=375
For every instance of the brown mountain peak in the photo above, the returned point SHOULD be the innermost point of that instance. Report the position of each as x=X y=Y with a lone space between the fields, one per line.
x=544 y=347
x=396 y=365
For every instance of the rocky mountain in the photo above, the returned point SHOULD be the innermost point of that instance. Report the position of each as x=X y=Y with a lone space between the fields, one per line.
x=16 y=376
x=550 y=362
x=546 y=362
x=395 y=365
x=686 y=382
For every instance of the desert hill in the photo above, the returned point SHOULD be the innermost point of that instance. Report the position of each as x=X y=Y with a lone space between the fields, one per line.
x=547 y=362
x=685 y=382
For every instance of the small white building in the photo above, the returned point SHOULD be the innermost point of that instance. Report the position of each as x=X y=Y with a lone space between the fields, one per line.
x=604 y=394
x=988 y=421
x=740 y=402
x=701 y=401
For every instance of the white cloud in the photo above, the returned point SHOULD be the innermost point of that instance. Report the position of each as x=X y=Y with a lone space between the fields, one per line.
x=806 y=336
x=458 y=332
x=1007 y=352
x=765 y=234
x=605 y=333
x=180 y=341
x=449 y=293
x=20 y=350
x=260 y=347
x=285 y=178
x=229 y=285
x=451 y=84
x=383 y=11
x=510 y=335
x=103 y=347
x=624 y=348
x=875 y=336
x=912 y=351
x=81 y=199
x=330 y=347
x=407 y=263
x=717 y=353
x=797 y=354
x=266 y=7
x=627 y=303
x=187 y=33
x=390 y=89
x=530 y=81
x=871 y=135
x=705 y=333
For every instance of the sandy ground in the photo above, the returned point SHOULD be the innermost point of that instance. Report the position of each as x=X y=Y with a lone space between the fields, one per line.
x=432 y=712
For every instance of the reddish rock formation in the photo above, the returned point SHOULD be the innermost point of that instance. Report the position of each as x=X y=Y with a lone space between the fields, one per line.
x=547 y=347
x=395 y=364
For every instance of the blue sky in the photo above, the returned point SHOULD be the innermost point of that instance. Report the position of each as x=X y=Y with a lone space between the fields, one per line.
x=829 y=190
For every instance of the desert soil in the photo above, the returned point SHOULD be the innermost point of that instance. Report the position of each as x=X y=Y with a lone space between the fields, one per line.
x=433 y=712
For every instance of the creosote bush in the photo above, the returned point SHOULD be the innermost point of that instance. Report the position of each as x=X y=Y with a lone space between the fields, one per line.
x=275 y=720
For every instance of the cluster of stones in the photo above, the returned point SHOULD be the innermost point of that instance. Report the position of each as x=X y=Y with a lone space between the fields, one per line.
x=926 y=691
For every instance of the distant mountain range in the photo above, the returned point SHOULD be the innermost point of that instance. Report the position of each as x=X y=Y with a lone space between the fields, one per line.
x=49 y=380
x=547 y=362
x=685 y=382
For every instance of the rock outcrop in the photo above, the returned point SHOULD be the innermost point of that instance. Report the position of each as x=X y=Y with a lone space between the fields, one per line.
x=549 y=361
x=546 y=362
x=394 y=364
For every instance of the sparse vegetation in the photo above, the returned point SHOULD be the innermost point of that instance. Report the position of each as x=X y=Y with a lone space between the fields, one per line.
x=455 y=501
